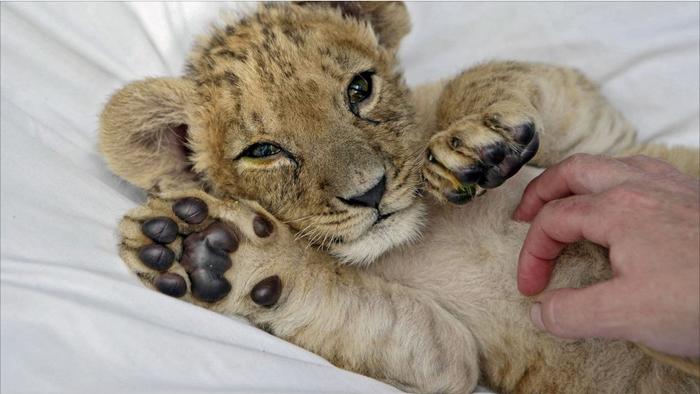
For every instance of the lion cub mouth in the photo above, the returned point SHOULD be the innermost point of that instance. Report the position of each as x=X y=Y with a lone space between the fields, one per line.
x=387 y=232
x=385 y=216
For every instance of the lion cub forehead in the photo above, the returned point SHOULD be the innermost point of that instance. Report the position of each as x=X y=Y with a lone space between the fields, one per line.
x=280 y=42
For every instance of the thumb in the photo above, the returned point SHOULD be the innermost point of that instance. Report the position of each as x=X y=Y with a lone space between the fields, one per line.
x=594 y=311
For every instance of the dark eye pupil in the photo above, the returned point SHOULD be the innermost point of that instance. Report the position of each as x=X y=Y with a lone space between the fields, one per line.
x=360 y=88
x=262 y=150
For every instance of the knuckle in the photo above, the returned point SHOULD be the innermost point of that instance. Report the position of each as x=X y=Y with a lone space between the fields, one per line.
x=578 y=159
x=587 y=161
x=565 y=207
x=650 y=164
x=618 y=193
x=631 y=196
x=639 y=158
x=574 y=163
x=657 y=165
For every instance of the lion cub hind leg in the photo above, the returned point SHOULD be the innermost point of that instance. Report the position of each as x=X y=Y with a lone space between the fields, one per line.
x=495 y=117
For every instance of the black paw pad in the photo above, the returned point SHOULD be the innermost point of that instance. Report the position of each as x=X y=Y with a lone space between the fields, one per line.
x=192 y=210
x=523 y=134
x=162 y=230
x=209 y=286
x=206 y=258
x=171 y=284
x=514 y=159
x=267 y=292
x=262 y=227
x=495 y=176
x=470 y=174
x=531 y=149
x=157 y=257
x=493 y=154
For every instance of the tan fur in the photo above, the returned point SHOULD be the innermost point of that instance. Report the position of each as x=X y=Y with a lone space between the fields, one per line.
x=435 y=314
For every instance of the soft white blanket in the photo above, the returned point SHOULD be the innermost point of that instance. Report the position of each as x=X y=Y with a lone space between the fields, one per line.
x=75 y=320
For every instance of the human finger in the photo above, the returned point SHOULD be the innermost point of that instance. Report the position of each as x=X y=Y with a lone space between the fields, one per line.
x=594 y=311
x=557 y=224
x=578 y=174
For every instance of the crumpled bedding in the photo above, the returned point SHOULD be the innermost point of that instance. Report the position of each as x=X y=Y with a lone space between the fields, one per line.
x=74 y=320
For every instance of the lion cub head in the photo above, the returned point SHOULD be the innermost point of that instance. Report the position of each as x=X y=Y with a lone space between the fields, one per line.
x=300 y=107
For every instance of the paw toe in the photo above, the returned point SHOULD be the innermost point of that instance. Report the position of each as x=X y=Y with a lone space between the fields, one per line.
x=157 y=257
x=171 y=284
x=493 y=177
x=530 y=149
x=262 y=227
x=470 y=174
x=524 y=133
x=162 y=230
x=192 y=210
x=267 y=292
x=493 y=154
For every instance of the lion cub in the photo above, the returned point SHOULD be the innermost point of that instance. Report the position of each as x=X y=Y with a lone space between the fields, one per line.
x=294 y=127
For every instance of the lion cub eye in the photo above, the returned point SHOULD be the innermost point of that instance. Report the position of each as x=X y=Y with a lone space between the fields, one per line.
x=359 y=89
x=261 y=150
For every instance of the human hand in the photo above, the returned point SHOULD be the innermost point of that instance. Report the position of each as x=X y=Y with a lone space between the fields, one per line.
x=647 y=214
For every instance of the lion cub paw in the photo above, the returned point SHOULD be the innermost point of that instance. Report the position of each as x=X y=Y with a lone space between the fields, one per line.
x=478 y=152
x=220 y=255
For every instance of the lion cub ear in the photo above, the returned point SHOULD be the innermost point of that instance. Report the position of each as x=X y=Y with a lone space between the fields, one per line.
x=389 y=19
x=144 y=134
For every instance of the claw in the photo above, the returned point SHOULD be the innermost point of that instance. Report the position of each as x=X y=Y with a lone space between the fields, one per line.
x=463 y=194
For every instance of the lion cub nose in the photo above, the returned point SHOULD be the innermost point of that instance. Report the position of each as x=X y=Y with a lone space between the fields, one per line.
x=370 y=198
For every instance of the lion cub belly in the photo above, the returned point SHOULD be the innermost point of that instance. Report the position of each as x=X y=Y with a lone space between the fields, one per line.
x=468 y=256
x=467 y=260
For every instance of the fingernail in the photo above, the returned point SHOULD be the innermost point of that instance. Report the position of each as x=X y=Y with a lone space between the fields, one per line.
x=536 y=315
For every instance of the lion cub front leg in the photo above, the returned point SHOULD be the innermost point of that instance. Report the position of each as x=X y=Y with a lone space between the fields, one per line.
x=235 y=258
x=186 y=244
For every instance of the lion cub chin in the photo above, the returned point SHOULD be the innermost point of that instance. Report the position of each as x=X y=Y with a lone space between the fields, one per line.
x=402 y=228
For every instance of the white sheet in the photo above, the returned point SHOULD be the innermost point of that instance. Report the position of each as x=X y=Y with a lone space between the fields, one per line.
x=75 y=320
